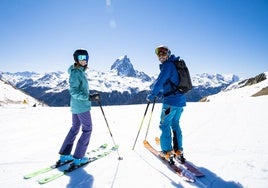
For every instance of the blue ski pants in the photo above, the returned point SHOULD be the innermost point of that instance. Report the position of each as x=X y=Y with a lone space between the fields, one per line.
x=170 y=126
x=83 y=119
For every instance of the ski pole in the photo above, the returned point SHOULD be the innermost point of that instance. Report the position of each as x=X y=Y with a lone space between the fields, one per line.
x=149 y=123
x=119 y=158
x=141 y=125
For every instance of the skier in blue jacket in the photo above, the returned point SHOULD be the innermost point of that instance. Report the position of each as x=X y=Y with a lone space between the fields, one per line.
x=80 y=107
x=172 y=107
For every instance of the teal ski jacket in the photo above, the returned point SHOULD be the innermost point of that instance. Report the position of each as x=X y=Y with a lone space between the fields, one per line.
x=79 y=90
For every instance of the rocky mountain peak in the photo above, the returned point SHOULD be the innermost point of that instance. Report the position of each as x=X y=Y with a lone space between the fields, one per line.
x=123 y=67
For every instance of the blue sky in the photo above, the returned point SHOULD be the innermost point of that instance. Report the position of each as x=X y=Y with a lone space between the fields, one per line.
x=213 y=36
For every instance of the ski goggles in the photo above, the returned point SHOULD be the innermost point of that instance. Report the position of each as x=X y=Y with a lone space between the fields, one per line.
x=162 y=54
x=162 y=51
x=82 y=57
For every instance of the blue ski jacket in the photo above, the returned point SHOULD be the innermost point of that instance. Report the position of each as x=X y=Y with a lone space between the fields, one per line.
x=162 y=85
x=79 y=90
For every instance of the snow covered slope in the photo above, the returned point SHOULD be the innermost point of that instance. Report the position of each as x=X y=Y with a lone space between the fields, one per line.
x=12 y=96
x=237 y=92
x=226 y=139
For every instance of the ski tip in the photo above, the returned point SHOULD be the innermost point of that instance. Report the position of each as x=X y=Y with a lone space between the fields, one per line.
x=145 y=142
x=157 y=140
x=114 y=148
x=104 y=145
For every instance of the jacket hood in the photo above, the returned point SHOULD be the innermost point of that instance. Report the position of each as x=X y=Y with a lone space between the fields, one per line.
x=170 y=59
x=173 y=57
x=72 y=67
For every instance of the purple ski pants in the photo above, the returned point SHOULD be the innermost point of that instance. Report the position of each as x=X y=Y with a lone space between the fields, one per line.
x=83 y=119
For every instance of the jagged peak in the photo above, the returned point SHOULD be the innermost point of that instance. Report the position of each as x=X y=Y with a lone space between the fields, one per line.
x=123 y=66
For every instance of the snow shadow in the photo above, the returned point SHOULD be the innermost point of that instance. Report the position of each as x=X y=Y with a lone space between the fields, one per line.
x=173 y=183
x=211 y=180
x=80 y=179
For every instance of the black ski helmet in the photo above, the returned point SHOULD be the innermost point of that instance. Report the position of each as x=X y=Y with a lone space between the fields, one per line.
x=79 y=52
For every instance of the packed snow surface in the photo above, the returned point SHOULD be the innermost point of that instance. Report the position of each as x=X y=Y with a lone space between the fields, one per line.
x=226 y=138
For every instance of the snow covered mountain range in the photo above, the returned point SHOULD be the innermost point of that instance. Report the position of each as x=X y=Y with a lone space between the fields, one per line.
x=121 y=85
x=252 y=87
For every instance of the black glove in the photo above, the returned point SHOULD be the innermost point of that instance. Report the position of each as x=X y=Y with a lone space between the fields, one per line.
x=94 y=97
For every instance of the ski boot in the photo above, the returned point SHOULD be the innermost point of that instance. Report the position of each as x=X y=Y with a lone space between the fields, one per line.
x=179 y=156
x=81 y=161
x=66 y=158
x=77 y=163
x=167 y=155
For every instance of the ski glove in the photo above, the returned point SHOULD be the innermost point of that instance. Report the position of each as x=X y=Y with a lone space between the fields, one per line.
x=94 y=97
x=150 y=98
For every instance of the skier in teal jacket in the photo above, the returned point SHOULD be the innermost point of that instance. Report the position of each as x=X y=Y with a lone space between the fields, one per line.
x=172 y=107
x=79 y=90
x=80 y=107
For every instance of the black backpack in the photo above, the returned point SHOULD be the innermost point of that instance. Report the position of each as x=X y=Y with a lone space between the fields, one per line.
x=185 y=83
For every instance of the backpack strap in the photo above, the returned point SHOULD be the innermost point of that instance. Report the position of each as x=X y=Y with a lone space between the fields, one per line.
x=174 y=90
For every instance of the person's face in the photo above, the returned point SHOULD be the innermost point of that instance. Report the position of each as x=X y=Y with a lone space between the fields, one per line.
x=162 y=56
x=82 y=60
